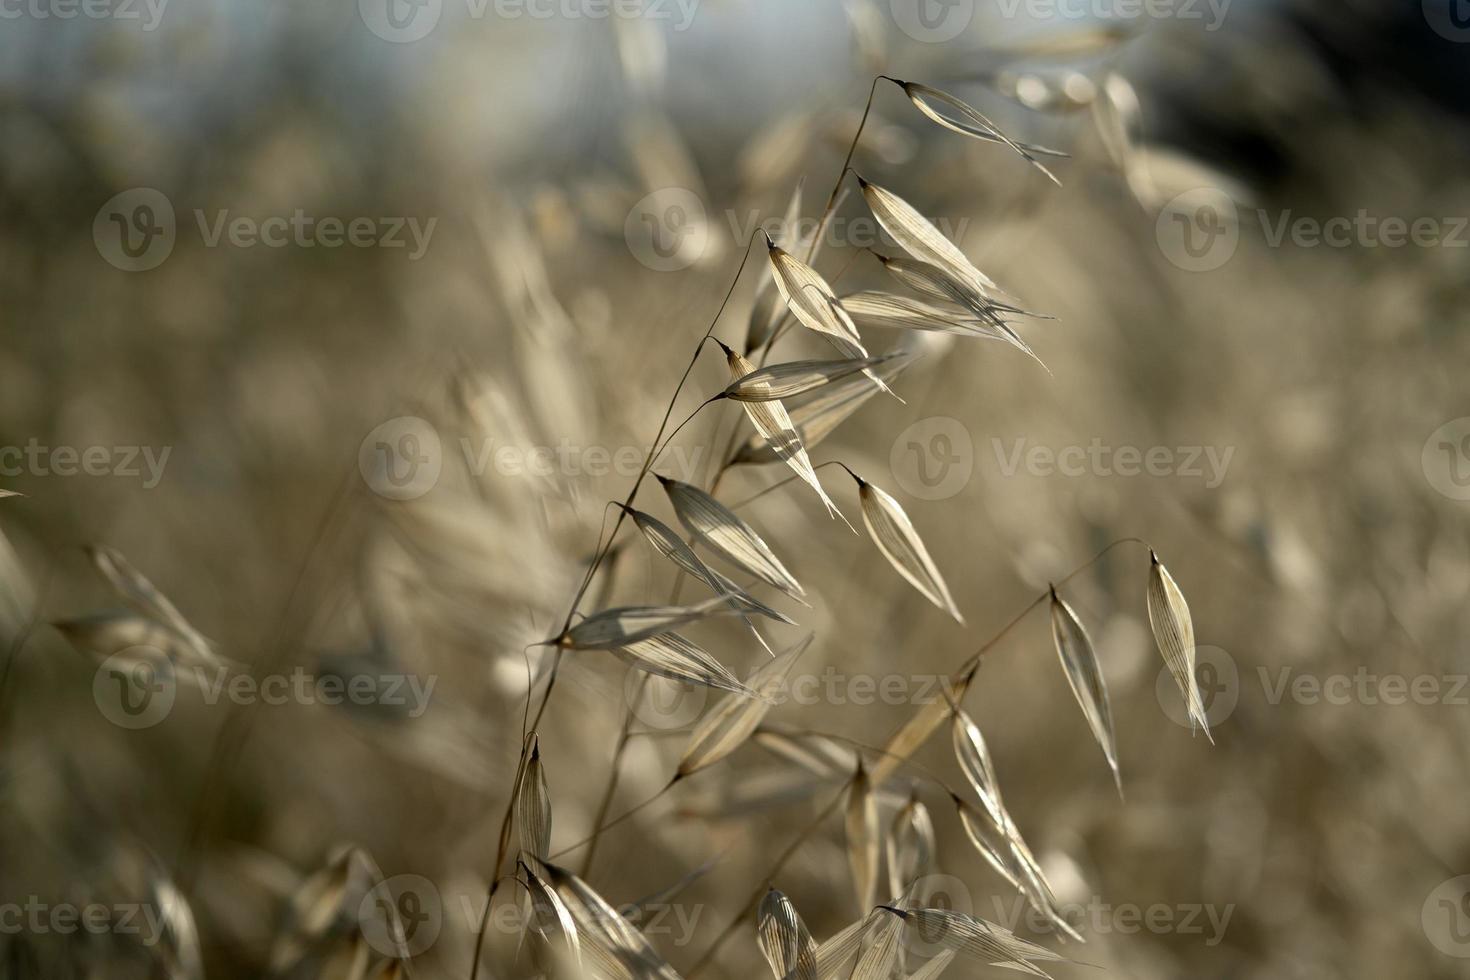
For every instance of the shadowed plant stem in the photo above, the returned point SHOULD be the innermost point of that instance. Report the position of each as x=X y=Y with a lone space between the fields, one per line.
x=597 y=559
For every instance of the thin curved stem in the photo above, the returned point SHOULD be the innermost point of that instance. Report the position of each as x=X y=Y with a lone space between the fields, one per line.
x=597 y=559
x=846 y=163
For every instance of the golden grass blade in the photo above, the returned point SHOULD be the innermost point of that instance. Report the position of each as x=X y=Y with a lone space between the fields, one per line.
x=728 y=535
x=836 y=954
x=135 y=588
x=797 y=378
x=178 y=951
x=916 y=235
x=911 y=846
x=1003 y=848
x=533 y=806
x=816 y=418
x=1173 y=629
x=549 y=908
x=938 y=284
x=772 y=422
x=671 y=546
x=601 y=925
x=1084 y=673
x=879 y=958
x=735 y=719
x=980 y=829
x=810 y=298
x=784 y=939
x=969 y=121
x=823 y=757
x=671 y=655
x=628 y=624
x=812 y=301
x=976 y=938
x=922 y=724
x=891 y=311
x=974 y=759
x=864 y=840
x=317 y=903
x=895 y=536
x=143 y=642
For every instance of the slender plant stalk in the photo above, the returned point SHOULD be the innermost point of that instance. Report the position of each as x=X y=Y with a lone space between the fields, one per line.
x=597 y=559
